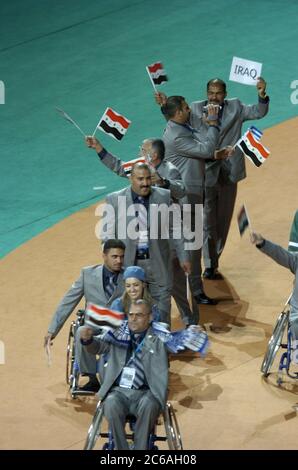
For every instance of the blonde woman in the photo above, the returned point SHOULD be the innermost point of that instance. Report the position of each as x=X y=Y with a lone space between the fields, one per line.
x=135 y=289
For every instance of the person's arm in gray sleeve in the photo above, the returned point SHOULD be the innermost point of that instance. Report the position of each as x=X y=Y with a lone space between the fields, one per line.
x=171 y=179
x=113 y=163
x=275 y=252
x=256 y=111
x=94 y=344
x=109 y=160
x=176 y=185
x=67 y=305
x=188 y=146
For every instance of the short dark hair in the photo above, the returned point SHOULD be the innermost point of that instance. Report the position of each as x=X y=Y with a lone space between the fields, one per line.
x=217 y=81
x=113 y=243
x=158 y=146
x=172 y=105
x=140 y=166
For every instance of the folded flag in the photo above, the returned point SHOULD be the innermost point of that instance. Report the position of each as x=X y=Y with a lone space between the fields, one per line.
x=157 y=73
x=196 y=339
x=102 y=316
x=113 y=123
x=127 y=166
x=243 y=221
x=250 y=145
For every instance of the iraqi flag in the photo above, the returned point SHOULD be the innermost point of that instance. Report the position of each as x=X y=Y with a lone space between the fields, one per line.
x=127 y=166
x=113 y=124
x=251 y=146
x=243 y=221
x=97 y=316
x=157 y=73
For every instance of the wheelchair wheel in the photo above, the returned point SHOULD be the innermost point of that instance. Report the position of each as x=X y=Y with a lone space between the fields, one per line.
x=274 y=343
x=172 y=428
x=70 y=354
x=94 y=430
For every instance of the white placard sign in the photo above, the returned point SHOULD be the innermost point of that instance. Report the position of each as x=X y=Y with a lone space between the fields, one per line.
x=245 y=71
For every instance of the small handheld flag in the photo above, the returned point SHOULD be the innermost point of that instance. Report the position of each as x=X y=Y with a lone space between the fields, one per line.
x=127 y=166
x=102 y=316
x=113 y=124
x=156 y=74
x=69 y=119
x=243 y=220
x=251 y=146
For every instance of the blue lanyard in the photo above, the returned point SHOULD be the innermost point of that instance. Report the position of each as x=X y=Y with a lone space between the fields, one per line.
x=139 y=347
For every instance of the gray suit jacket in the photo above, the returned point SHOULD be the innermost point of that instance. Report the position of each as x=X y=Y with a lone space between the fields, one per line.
x=153 y=356
x=166 y=170
x=188 y=151
x=288 y=260
x=159 y=247
x=89 y=285
x=234 y=114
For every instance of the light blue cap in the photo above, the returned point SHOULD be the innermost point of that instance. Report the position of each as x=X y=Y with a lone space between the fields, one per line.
x=136 y=272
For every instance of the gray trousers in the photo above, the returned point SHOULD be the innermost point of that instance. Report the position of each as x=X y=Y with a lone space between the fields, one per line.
x=189 y=313
x=87 y=362
x=142 y=404
x=218 y=211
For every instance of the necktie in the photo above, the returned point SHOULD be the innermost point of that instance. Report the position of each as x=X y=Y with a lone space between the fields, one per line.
x=143 y=227
x=111 y=286
x=142 y=214
x=137 y=364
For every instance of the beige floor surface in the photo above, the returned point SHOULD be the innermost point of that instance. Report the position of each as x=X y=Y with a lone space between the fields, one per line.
x=222 y=401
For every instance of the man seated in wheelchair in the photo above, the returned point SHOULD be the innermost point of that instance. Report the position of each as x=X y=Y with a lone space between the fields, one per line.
x=99 y=284
x=136 y=376
x=288 y=260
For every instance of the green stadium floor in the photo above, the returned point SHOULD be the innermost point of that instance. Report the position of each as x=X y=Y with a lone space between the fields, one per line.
x=84 y=56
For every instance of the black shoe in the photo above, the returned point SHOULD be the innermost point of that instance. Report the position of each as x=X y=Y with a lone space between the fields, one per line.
x=212 y=273
x=92 y=386
x=204 y=299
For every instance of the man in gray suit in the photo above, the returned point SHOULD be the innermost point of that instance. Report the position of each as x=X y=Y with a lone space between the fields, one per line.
x=188 y=151
x=221 y=177
x=136 y=377
x=287 y=260
x=99 y=284
x=149 y=244
x=167 y=176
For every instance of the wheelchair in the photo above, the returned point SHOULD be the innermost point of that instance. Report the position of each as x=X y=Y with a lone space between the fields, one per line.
x=281 y=338
x=72 y=368
x=172 y=432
